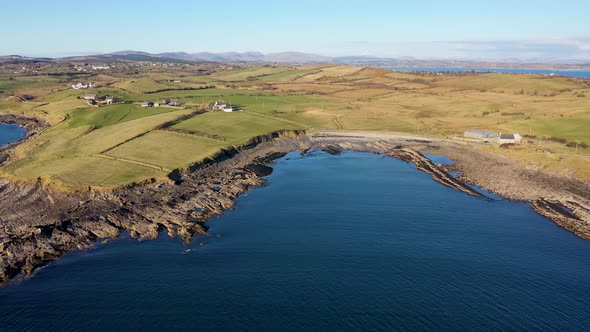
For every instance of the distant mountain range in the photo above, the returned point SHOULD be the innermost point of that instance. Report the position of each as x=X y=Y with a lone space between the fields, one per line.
x=284 y=57
x=306 y=58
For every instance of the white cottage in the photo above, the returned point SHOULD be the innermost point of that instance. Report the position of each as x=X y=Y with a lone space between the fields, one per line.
x=509 y=139
x=219 y=105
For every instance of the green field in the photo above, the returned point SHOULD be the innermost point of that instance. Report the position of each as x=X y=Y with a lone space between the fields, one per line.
x=76 y=145
x=123 y=143
x=572 y=129
x=234 y=128
x=141 y=85
x=109 y=115
x=9 y=84
x=167 y=149
x=87 y=171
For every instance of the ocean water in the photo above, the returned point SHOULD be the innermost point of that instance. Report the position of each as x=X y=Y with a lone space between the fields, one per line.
x=355 y=241
x=569 y=73
x=10 y=133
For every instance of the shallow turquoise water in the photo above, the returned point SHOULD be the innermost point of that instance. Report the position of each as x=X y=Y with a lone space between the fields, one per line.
x=348 y=242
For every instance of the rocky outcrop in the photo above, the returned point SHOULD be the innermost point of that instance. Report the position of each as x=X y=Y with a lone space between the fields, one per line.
x=427 y=166
x=332 y=149
x=33 y=126
x=570 y=215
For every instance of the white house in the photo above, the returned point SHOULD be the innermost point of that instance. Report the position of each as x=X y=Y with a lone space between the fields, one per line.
x=228 y=109
x=171 y=102
x=83 y=86
x=109 y=100
x=509 y=138
x=219 y=105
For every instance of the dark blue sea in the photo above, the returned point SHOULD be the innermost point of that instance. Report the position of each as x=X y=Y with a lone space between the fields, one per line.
x=10 y=133
x=569 y=73
x=348 y=242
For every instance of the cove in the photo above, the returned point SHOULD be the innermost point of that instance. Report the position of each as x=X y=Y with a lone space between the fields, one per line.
x=10 y=133
x=352 y=241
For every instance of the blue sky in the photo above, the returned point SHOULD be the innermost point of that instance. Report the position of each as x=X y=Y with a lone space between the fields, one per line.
x=496 y=29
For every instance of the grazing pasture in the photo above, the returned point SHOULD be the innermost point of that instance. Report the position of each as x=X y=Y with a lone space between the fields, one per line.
x=167 y=149
x=233 y=128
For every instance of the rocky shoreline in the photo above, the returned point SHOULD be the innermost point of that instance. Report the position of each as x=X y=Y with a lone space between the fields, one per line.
x=438 y=173
x=33 y=127
x=39 y=223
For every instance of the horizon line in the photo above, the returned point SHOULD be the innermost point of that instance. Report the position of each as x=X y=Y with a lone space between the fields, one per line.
x=551 y=60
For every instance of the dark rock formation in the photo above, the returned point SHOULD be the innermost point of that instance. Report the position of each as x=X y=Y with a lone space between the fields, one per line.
x=332 y=149
x=570 y=215
x=438 y=174
x=33 y=126
x=259 y=169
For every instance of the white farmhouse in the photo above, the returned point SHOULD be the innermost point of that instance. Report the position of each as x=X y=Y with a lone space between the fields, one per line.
x=219 y=105
x=509 y=138
x=83 y=86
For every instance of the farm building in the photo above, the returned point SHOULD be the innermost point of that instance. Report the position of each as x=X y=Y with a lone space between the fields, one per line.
x=148 y=104
x=219 y=105
x=480 y=135
x=108 y=100
x=90 y=97
x=171 y=102
x=222 y=106
x=83 y=86
x=509 y=138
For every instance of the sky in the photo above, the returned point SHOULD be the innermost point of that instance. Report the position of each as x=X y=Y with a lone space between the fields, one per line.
x=492 y=30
